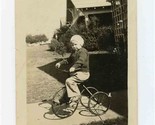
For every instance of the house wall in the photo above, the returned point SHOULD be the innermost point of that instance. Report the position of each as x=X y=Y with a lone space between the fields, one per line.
x=40 y=16
x=72 y=12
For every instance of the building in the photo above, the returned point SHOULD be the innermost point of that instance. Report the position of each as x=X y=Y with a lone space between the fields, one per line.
x=119 y=16
x=108 y=12
x=86 y=9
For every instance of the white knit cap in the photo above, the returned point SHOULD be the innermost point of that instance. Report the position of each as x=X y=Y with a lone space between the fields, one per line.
x=78 y=39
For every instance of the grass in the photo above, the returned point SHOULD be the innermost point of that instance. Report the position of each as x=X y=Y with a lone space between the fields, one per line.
x=40 y=68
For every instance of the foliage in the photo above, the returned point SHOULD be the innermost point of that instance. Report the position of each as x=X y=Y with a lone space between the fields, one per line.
x=117 y=121
x=99 y=38
x=54 y=44
x=96 y=37
x=36 y=38
x=57 y=46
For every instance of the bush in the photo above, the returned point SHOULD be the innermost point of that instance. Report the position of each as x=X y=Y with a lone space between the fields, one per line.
x=57 y=46
x=99 y=38
x=117 y=121
x=53 y=45
x=36 y=38
x=61 y=49
x=95 y=37
x=65 y=38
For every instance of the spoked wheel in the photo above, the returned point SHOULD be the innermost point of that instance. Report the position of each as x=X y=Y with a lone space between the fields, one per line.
x=99 y=103
x=86 y=94
x=63 y=109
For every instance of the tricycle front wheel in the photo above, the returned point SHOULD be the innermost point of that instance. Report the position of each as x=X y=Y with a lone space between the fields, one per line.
x=63 y=109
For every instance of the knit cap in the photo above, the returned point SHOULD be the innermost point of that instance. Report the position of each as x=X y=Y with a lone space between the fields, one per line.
x=77 y=39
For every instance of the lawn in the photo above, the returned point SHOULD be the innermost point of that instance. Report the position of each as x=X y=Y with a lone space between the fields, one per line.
x=42 y=81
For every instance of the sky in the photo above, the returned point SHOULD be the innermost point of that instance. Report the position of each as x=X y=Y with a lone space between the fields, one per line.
x=40 y=16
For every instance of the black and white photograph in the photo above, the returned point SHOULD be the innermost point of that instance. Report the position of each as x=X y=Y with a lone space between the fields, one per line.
x=75 y=65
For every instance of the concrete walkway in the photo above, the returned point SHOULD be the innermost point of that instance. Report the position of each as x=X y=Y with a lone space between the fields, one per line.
x=41 y=114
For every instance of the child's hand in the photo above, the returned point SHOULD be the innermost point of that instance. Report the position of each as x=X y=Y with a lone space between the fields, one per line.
x=72 y=69
x=57 y=65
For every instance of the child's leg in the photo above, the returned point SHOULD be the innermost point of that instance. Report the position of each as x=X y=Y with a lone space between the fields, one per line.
x=72 y=88
x=71 y=83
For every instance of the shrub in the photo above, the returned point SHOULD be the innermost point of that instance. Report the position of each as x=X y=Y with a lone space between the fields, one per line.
x=117 y=121
x=99 y=38
x=57 y=46
x=30 y=39
x=36 y=38
x=65 y=38
x=96 y=37
x=53 y=45
x=61 y=49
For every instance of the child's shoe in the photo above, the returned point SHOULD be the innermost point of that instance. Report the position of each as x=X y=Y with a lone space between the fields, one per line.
x=56 y=102
x=61 y=101
x=74 y=99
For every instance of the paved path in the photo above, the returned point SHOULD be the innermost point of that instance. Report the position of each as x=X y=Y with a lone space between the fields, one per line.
x=40 y=114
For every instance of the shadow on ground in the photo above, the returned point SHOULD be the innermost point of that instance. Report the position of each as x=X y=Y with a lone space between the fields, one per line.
x=119 y=102
x=108 y=73
x=51 y=70
x=47 y=104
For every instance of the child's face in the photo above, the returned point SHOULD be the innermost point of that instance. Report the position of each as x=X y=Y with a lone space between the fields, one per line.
x=75 y=46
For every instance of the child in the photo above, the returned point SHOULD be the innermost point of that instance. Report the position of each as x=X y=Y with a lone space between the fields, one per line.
x=79 y=60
